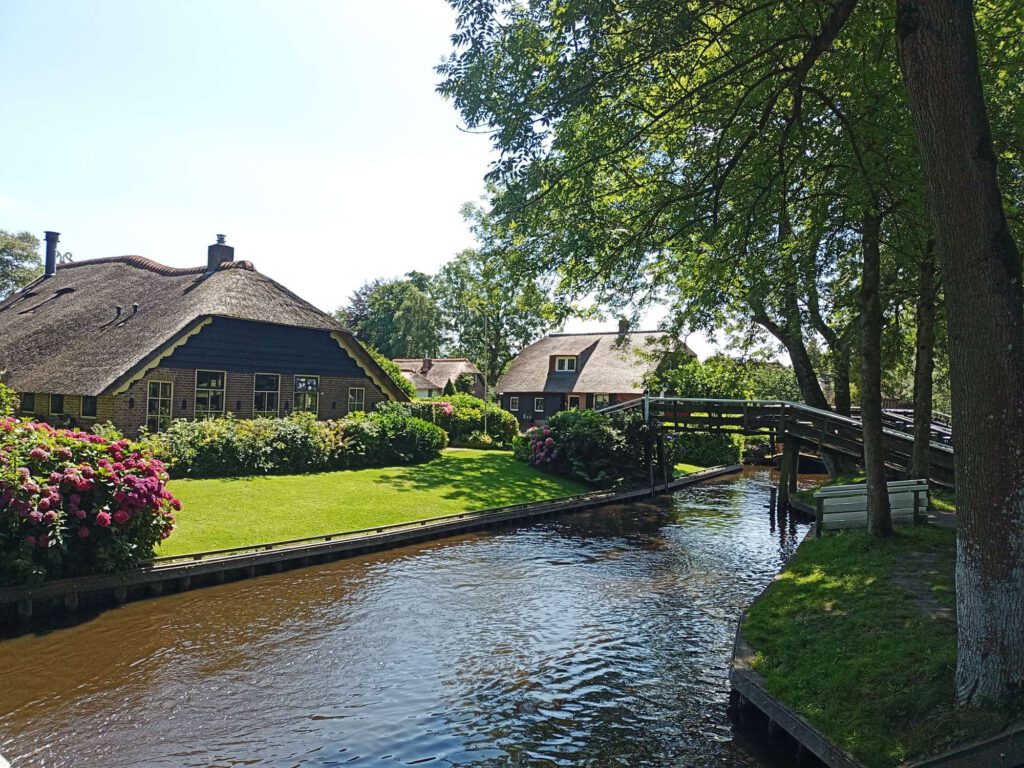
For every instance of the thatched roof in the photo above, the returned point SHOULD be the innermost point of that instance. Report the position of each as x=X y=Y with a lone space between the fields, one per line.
x=605 y=362
x=64 y=334
x=438 y=373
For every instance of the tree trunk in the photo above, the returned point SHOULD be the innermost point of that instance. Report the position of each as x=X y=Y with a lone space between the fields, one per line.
x=924 y=364
x=981 y=272
x=803 y=368
x=841 y=379
x=879 y=514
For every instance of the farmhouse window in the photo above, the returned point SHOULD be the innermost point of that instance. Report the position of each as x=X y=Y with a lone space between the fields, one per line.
x=565 y=364
x=538 y=404
x=28 y=402
x=57 y=405
x=356 y=399
x=601 y=401
x=307 y=394
x=158 y=405
x=209 y=394
x=266 y=395
x=88 y=407
x=513 y=404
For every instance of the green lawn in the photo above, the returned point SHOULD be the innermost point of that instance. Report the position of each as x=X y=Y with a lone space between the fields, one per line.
x=239 y=511
x=687 y=469
x=859 y=637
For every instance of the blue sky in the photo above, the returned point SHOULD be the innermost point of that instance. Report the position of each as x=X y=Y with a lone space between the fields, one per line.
x=309 y=132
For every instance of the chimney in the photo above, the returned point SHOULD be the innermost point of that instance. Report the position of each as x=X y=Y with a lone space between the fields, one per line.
x=218 y=253
x=51 y=253
x=427 y=365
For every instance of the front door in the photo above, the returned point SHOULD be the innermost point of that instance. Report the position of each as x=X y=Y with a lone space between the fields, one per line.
x=574 y=401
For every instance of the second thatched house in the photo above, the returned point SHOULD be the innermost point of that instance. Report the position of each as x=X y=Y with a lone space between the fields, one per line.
x=582 y=370
x=127 y=340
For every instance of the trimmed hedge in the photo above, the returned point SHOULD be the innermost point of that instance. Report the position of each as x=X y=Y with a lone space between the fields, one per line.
x=230 y=447
x=73 y=504
x=707 y=450
x=462 y=416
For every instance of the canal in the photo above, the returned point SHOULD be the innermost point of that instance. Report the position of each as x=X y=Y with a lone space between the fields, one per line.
x=598 y=638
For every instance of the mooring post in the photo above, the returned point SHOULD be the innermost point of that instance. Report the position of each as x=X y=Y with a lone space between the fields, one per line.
x=785 y=471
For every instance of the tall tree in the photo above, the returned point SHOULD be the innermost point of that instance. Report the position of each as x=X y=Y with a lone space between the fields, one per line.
x=19 y=261
x=924 y=362
x=981 y=269
x=396 y=317
x=490 y=310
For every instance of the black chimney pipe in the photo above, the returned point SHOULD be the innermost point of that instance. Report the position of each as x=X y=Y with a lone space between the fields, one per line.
x=51 y=253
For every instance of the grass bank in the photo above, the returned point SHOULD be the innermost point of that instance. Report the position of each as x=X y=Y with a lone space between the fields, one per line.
x=859 y=637
x=233 y=512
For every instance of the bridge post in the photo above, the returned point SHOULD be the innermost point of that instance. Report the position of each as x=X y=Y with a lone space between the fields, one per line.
x=788 y=470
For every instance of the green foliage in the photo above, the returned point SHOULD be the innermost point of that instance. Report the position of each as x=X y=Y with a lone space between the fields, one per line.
x=484 y=318
x=393 y=371
x=581 y=444
x=74 y=504
x=879 y=616
x=727 y=377
x=397 y=317
x=8 y=400
x=228 y=447
x=464 y=383
x=20 y=262
x=449 y=388
x=462 y=415
x=706 y=450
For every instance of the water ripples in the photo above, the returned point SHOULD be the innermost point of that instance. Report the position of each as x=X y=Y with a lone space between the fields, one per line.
x=598 y=638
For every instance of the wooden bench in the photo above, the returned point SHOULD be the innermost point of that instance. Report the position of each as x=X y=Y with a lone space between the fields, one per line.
x=846 y=506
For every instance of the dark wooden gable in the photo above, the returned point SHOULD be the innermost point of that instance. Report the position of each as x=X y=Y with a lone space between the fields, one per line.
x=227 y=344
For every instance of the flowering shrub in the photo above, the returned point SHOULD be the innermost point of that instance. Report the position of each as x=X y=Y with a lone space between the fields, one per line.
x=227 y=447
x=73 y=503
x=460 y=415
x=583 y=445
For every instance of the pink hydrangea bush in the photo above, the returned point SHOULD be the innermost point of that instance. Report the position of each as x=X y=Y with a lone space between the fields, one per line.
x=74 y=503
x=543 y=451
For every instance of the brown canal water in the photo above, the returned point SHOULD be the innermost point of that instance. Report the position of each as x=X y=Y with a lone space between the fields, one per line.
x=591 y=639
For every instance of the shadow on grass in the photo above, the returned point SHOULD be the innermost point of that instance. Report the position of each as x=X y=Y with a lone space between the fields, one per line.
x=849 y=636
x=486 y=480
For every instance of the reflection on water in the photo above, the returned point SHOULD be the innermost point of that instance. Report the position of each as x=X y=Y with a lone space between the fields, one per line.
x=597 y=638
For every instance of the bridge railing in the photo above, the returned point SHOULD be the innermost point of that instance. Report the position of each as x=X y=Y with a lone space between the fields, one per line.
x=820 y=429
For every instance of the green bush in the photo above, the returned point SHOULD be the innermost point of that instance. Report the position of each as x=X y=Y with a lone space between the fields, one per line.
x=8 y=400
x=460 y=415
x=228 y=447
x=393 y=371
x=73 y=504
x=706 y=450
x=583 y=445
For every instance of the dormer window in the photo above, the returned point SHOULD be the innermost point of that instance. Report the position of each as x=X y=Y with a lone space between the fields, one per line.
x=565 y=364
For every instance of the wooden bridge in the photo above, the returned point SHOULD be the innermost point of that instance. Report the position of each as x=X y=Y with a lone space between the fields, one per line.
x=797 y=426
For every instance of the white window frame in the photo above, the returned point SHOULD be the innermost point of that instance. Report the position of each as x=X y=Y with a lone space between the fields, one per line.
x=565 y=363
x=81 y=407
x=296 y=393
x=207 y=413
x=607 y=398
x=513 y=403
x=266 y=413
x=63 y=409
x=362 y=399
x=538 y=401
x=170 y=403
x=580 y=400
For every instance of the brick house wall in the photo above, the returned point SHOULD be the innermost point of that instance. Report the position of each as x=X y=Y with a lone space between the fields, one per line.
x=127 y=411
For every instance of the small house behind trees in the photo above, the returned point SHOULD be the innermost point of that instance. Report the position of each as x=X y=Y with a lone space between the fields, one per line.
x=583 y=370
